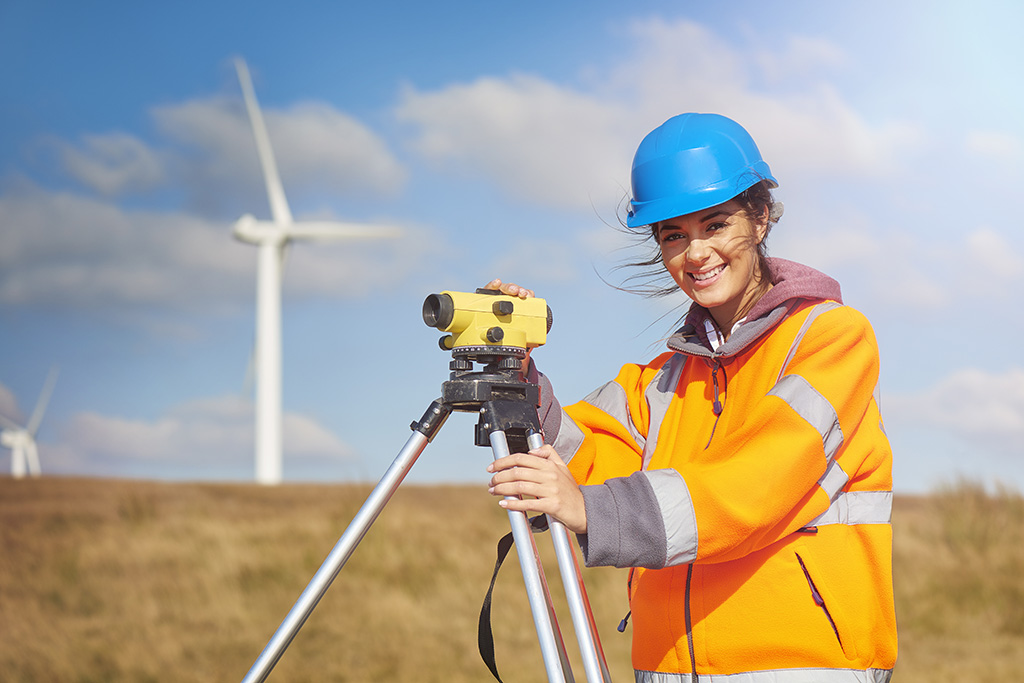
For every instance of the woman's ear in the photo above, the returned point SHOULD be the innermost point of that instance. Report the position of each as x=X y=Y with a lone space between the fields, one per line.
x=761 y=229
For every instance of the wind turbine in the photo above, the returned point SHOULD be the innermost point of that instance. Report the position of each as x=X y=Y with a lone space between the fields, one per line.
x=272 y=239
x=22 y=439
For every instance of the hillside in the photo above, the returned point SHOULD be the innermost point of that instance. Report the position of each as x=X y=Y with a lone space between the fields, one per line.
x=105 y=580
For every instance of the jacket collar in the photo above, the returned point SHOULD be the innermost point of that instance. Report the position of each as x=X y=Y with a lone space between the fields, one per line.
x=792 y=283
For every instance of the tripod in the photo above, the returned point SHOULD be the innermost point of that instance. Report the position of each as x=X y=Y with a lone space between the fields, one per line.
x=507 y=406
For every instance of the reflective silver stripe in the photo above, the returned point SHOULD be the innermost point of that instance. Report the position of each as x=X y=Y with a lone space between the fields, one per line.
x=570 y=438
x=858 y=507
x=815 y=312
x=774 y=676
x=659 y=395
x=678 y=515
x=813 y=407
x=834 y=479
x=611 y=398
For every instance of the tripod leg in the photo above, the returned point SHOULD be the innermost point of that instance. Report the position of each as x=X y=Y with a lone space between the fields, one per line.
x=423 y=432
x=594 y=664
x=556 y=662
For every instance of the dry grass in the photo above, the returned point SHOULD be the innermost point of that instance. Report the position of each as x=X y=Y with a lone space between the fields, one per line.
x=959 y=574
x=140 y=581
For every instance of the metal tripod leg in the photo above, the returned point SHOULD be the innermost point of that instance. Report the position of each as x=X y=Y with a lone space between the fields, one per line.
x=594 y=664
x=552 y=647
x=423 y=433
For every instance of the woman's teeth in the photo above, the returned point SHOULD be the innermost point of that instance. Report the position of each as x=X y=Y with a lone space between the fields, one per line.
x=709 y=274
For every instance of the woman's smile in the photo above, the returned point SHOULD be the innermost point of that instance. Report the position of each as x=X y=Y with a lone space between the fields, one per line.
x=708 y=277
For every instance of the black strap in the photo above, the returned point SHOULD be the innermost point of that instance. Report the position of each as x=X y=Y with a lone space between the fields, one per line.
x=485 y=637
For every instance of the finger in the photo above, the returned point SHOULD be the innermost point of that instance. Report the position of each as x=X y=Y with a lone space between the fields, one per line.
x=524 y=460
x=521 y=292
x=521 y=475
x=522 y=504
x=548 y=453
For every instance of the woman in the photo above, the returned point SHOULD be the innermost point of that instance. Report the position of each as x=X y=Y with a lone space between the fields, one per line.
x=744 y=475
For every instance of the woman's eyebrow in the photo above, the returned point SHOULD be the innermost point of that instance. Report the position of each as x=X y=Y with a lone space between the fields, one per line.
x=713 y=214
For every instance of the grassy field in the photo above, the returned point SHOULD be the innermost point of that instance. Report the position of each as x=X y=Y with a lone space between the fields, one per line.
x=139 y=581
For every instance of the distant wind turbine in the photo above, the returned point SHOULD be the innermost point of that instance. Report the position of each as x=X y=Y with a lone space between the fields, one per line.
x=22 y=439
x=272 y=238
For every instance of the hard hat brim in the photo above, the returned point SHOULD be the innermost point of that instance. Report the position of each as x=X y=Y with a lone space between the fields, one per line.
x=664 y=208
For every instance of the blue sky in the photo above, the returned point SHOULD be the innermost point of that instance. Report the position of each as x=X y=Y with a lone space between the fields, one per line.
x=500 y=138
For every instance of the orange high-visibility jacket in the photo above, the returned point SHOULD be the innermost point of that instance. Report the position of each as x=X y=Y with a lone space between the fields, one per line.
x=750 y=487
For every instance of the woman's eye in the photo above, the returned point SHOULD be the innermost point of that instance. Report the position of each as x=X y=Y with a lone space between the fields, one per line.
x=715 y=226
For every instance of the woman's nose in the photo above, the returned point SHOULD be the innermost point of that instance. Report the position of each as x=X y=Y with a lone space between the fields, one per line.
x=697 y=251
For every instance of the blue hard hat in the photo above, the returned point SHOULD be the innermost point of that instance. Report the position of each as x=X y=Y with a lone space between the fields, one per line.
x=690 y=163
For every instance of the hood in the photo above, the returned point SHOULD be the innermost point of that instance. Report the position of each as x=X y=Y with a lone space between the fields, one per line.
x=791 y=282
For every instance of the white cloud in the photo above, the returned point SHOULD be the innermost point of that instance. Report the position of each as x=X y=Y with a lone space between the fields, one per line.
x=555 y=145
x=540 y=142
x=316 y=147
x=806 y=128
x=219 y=428
x=998 y=146
x=800 y=57
x=113 y=164
x=907 y=271
x=1000 y=259
x=69 y=251
x=208 y=149
x=974 y=404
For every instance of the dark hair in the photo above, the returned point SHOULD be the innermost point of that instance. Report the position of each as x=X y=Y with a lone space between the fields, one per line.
x=650 y=280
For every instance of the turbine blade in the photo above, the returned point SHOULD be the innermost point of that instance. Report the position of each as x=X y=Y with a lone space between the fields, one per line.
x=44 y=399
x=9 y=423
x=275 y=190
x=337 y=230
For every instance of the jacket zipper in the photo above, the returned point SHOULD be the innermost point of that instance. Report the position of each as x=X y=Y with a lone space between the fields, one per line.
x=689 y=624
x=717 y=405
x=629 y=597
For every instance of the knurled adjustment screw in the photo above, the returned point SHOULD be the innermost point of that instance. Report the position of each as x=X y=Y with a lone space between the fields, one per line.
x=510 y=363
x=460 y=364
x=495 y=335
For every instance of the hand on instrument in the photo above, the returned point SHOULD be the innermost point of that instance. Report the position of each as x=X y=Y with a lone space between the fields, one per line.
x=543 y=476
x=510 y=288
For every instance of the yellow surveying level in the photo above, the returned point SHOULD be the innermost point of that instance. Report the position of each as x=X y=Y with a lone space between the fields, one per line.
x=487 y=318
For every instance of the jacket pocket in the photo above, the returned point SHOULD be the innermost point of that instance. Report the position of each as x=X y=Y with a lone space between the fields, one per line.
x=820 y=601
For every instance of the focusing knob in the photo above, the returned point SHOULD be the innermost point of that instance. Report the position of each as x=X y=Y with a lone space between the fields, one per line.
x=495 y=335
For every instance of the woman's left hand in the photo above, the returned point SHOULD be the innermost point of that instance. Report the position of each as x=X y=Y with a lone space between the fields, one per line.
x=542 y=475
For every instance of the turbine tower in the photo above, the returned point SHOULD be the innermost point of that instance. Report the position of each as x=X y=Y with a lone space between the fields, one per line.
x=22 y=439
x=272 y=239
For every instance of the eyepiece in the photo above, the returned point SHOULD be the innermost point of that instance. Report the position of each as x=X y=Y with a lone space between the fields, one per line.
x=438 y=311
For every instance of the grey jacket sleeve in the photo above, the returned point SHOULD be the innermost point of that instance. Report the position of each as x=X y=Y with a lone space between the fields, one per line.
x=550 y=410
x=558 y=428
x=643 y=520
